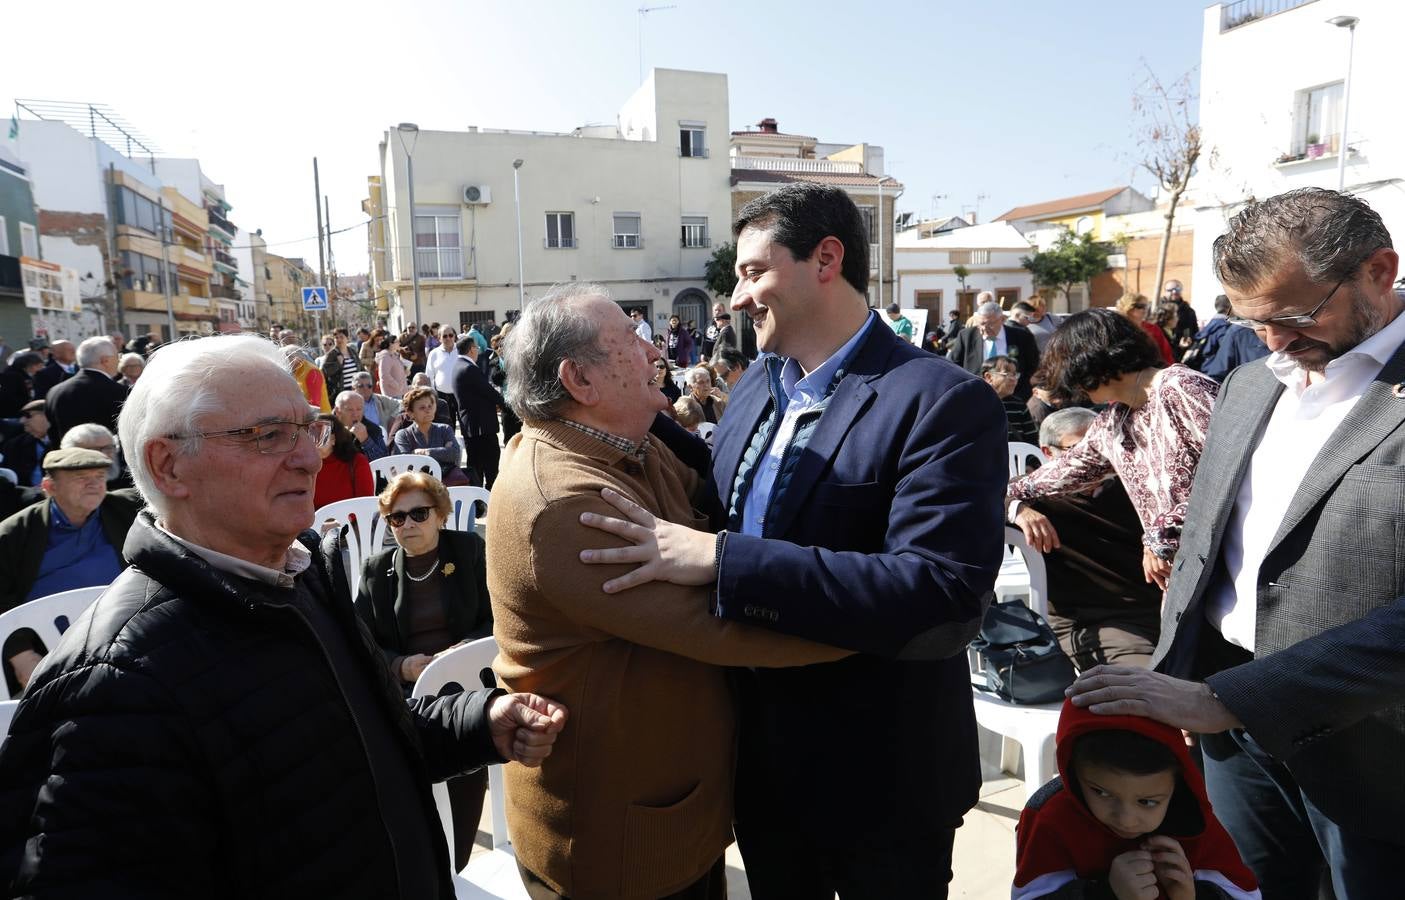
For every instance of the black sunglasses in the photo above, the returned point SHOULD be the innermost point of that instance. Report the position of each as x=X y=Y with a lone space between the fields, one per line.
x=419 y=514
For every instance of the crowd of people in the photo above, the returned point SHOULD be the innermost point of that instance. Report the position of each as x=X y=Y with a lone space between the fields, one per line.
x=731 y=596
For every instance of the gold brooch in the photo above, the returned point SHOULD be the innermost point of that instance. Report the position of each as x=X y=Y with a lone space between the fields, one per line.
x=448 y=568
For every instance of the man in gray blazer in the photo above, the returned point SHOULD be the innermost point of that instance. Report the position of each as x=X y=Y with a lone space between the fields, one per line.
x=1283 y=630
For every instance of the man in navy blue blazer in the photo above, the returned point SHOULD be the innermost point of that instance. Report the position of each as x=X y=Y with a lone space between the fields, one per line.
x=863 y=481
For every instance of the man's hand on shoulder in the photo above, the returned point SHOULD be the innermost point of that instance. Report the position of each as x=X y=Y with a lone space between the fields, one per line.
x=524 y=727
x=664 y=551
x=1133 y=691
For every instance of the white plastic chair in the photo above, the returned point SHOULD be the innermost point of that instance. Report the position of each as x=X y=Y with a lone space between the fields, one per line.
x=7 y=714
x=1020 y=452
x=49 y=616
x=1023 y=728
x=388 y=467
x=364 y=532
x=492 y=874
x=464 y=501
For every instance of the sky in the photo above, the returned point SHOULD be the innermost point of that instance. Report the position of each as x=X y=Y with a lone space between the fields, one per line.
x=980 y=106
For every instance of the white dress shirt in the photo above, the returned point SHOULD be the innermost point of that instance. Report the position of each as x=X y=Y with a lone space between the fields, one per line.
x=438 y=364
x=1002 y=346
x=1302 y=421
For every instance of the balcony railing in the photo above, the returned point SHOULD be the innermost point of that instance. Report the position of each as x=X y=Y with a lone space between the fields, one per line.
x=781 y=164
x=559 y=243
x=218 y=219
x=226 y=259
x=225 y=293
x=440 y=262
x=1242 y=12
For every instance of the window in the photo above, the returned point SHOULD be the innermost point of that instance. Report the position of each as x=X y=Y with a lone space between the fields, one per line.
x=4 y=238
x=1317 y=118
x=141 y=273
x=438 y=252
x=627 y=236
x=869 y=225
x=692 y=141
x=560 y=230
x=695 y=232
x=969 y=257
x=136 y=211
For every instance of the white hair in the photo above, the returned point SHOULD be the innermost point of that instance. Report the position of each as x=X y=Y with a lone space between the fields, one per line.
x=990 y=309
x=92 y=351
x=1061 y=423
x=695 y=375
x=129 y=358
x=86 y=434
x=184 y=382
x=346 y=397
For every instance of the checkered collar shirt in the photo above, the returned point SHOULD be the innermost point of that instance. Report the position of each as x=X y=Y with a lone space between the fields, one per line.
x=627 y=447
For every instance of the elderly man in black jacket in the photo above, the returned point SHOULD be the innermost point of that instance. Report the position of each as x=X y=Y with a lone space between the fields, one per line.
x=991 y=337
x=218 y=723
x=93 y=394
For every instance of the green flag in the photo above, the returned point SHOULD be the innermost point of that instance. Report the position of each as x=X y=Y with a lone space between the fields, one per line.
x=14 y=127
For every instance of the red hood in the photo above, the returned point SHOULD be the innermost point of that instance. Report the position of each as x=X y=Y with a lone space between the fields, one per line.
x=1075 y=721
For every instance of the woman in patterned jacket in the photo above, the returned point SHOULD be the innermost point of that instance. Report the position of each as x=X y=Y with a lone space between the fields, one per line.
x=1150 y=434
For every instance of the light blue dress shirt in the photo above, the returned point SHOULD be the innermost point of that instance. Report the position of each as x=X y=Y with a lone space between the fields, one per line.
x=799 y=393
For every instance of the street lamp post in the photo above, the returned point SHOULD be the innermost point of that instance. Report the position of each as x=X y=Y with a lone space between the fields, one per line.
x=405 y=128
x=517 y=202
x=1349 y=23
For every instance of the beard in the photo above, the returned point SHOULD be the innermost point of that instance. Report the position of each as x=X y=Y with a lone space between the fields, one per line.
x=1366 y=319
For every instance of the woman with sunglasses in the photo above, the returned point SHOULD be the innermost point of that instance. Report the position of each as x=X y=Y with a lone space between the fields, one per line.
x=663 y=379
x=426 y=596
x=1136 y=308
x=1150 y=434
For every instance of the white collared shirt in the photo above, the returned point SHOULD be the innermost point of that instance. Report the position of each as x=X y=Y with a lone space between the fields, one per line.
x=295 y=562
x=1302 y=421
x=1002 y=346
x=439 y=365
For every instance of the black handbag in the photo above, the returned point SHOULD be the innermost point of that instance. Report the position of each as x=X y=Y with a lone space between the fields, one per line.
x=1017 y=657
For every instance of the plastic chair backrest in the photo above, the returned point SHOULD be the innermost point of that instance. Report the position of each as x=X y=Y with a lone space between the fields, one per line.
x=7 y=714
x=1034 y=562
x=387 y=467
x=1020 y=452
x=50 y=616
x=464 y=501
x=705 y=431
x=363 y=530
x=462 y=665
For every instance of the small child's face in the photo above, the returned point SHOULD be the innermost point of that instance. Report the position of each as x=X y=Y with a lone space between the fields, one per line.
x=1130 y=805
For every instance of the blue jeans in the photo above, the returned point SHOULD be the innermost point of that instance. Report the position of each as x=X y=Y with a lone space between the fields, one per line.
x=1285 y=839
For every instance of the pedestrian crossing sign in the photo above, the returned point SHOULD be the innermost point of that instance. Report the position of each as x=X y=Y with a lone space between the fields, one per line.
x=314 y=299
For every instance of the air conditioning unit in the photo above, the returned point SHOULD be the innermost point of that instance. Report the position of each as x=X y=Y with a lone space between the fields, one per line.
x=477 y=195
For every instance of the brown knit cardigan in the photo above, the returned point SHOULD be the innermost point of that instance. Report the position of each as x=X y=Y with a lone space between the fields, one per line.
x=636 y=799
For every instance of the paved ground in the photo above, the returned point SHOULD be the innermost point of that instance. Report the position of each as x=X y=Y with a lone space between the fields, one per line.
x=984 y=856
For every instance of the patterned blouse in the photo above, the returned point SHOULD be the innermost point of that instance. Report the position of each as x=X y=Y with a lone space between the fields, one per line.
x=1153 y=449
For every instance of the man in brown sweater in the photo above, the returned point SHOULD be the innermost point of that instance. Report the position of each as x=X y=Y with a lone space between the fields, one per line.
x=636 y=800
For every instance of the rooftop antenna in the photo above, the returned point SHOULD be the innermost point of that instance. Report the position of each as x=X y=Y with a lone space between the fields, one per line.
x=936 y=204
x=979 y=198
x=644 y=10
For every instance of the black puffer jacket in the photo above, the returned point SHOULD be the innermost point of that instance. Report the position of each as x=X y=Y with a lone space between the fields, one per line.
x=187 y=738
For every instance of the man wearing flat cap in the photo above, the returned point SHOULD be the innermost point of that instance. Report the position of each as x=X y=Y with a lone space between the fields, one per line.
x=72 y=538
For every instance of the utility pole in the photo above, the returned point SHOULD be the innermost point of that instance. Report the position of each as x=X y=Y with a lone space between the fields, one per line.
x=166 y=270
x=331 y=265
x=317 y=201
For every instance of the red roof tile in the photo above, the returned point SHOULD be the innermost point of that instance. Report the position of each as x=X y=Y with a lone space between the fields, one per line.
x=1067 y=204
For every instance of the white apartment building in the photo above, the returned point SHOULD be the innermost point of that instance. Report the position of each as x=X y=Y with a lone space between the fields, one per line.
x=1272 y=95
x=989 y=255
x=636 y=205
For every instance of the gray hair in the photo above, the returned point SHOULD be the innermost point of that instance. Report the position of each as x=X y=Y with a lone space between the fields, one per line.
x=92 y=351
x=1061 y=423
x=552 y=329
x=85 y=434
x=985 y=297
x=989 y=308
x=1330 y=233
x=184 y=382
x=698 y=374
x=345 y=396
x=363 y=376
x=129 y=358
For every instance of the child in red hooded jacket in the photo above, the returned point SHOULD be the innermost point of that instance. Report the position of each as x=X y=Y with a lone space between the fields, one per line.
x=1127 y=818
